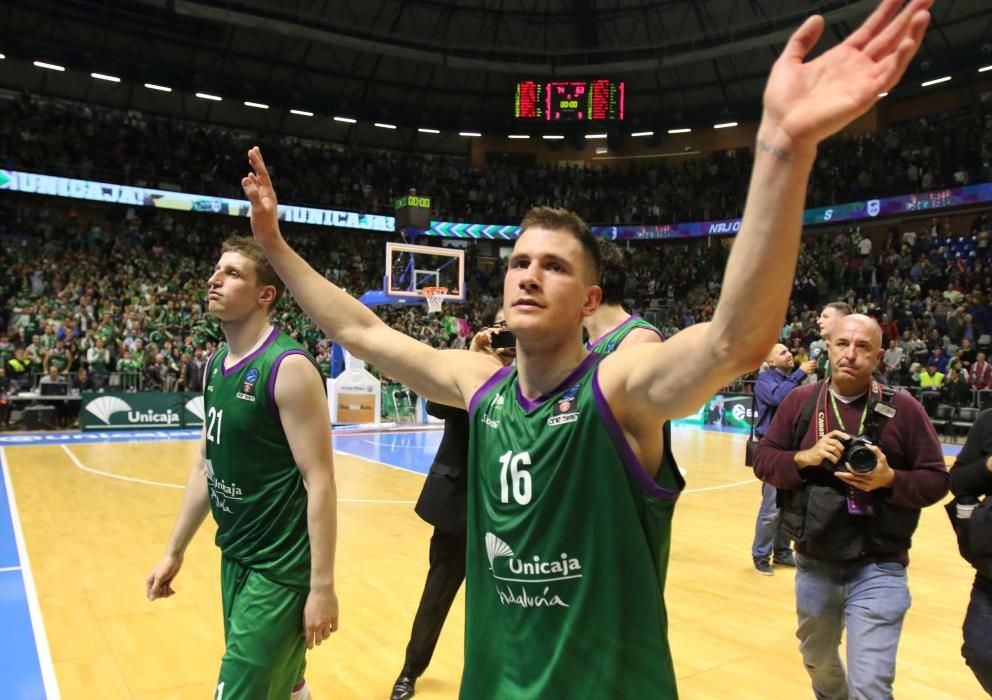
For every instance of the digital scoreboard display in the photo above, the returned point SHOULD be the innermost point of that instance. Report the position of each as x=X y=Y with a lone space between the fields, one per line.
x=569 y=100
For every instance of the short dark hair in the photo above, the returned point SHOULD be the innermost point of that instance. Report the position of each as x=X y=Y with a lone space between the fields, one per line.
x=264 y=274
x=489 y=314
x=841 y=306
x=564 y=220
x=613 y=277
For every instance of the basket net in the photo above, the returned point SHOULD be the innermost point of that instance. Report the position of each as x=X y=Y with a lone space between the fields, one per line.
x=435 y=298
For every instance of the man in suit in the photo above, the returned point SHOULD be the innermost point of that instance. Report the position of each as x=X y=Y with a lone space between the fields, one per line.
x=442 y=503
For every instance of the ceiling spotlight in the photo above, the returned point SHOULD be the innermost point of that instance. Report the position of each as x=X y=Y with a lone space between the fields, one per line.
x=725 y=125
x=345 y=120
x=49 y=66
x=256 y=105
x=208 y=96
x=160 y=88
x=104 y=76
x=301 y=112
x=642 y=133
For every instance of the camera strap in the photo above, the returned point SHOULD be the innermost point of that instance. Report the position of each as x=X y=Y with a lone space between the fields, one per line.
x=821 y=419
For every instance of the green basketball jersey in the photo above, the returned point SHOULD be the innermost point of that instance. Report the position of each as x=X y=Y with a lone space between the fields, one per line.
x=256 y=491
x=611 y=340
x=568 y=542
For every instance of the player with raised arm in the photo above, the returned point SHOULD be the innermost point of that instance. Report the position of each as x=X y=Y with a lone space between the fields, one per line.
x=569 y=521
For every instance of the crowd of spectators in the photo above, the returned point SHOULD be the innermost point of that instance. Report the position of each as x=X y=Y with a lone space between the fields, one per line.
x=113 y=297
x=90 y=142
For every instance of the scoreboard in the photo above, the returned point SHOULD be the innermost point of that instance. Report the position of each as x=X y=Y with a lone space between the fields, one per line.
x=569 y=100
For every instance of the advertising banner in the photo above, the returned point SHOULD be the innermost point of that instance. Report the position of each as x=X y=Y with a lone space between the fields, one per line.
x=148 y=410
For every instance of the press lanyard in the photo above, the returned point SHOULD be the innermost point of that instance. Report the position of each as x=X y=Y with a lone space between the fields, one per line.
x=840 y=421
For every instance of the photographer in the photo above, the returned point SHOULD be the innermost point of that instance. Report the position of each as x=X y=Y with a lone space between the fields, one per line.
x=971 y=478
x=853 y=526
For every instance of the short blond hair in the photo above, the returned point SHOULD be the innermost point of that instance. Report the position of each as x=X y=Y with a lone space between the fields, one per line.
x=265 y=276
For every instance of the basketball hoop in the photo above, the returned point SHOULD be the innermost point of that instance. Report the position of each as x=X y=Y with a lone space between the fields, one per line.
x=434 y=297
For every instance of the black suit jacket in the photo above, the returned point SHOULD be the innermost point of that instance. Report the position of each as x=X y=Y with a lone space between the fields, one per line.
x=443 y=500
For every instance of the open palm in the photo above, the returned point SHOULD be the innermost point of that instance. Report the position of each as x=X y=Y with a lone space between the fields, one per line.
x=810 y=101
x=262 y=195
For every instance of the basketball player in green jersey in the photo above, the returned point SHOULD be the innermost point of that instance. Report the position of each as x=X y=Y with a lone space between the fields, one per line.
x=569 y=494
x=610 y=324
x=266 y=473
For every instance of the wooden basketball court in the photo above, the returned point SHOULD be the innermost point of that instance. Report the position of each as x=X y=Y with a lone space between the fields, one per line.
x=96 y=518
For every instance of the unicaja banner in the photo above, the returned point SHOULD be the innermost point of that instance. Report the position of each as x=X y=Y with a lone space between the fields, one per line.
x=149 y=410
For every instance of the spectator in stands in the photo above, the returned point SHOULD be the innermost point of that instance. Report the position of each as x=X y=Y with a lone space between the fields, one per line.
x=193 y=372
x=931 y=379
x=81 y=381
x=937 y=360
x=980 y=374
x=967 y=353
x=154 y=374
x=7 y=388
x=892 y=363
x=956 y=390
x=19 y=369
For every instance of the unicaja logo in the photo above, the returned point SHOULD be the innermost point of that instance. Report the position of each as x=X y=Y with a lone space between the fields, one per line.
x=106 y=406
x=531 y=576
x=150 y=416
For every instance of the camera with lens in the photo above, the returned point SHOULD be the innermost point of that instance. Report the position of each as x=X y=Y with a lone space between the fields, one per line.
x=856 y=448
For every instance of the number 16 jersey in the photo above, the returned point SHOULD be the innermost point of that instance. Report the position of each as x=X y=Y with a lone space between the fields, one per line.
x=568 y=543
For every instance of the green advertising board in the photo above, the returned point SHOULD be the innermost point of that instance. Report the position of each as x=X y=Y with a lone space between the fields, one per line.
x=149 y=410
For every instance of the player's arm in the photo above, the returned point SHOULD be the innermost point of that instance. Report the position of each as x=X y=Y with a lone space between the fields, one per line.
x=445 y=376
x=194 y=508
x=299 y=395
x=803 y=104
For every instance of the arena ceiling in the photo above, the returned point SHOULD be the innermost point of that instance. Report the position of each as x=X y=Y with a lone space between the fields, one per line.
x=449 y=65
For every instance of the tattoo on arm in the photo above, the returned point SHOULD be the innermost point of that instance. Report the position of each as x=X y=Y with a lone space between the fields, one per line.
x=775 y=152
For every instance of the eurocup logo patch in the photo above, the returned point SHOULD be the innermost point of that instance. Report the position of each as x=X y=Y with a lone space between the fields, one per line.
x=874 y=207
x=247 y=392
x=564 y=411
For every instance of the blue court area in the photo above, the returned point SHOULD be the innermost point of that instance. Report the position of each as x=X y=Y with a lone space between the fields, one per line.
x=20 y=668
x=412 y=450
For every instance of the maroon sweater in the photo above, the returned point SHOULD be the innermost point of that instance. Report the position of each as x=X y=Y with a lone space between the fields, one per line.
x=908 y=442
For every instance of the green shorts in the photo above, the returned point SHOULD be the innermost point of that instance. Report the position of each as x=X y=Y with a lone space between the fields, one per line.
x=263 y=628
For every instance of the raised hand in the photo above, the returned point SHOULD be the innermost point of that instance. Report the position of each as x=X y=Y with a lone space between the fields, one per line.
x=806 y=102
x=262 y=195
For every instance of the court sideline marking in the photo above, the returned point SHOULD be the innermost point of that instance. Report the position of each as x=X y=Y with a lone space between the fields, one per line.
x=147 y=482
x=34 y=607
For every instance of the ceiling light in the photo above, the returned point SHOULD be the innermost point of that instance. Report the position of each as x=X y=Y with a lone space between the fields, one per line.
x=381 y=125
x=256 y=105
x=595 y=136
x=301 y=112
x=642 y=133
x=985 y=68
x=207 y=96
x=518 y=136
x=104 y=76
x=160 y=88
x=928 y=83
x=725 y=125
x=49 y=66
x=422 y=130
x=552 y=137
x=346 y=120
x=469 y=133
x=883 y=94
x=679 y=131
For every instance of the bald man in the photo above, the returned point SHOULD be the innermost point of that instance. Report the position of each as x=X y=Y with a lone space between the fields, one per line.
x=770 y=389
x=852 y=531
